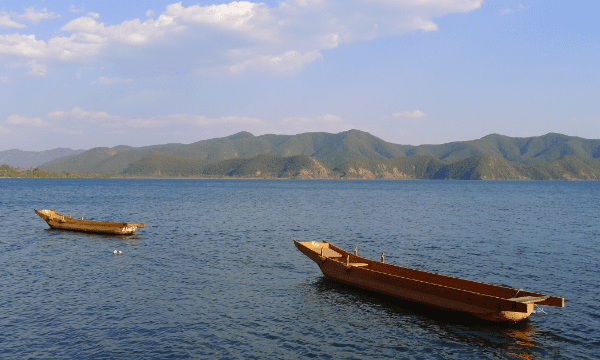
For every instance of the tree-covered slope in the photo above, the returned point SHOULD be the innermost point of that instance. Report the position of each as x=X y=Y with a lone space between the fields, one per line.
x=333 y=149
x=261 y=166
x=7 y=171
x=531 y=150
x=28 y=159
x=487 y=167
x=411 y=167
x=329 y=149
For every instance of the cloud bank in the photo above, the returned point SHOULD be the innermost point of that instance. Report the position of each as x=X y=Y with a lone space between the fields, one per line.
x=227 y=38
x=21 y=120
x=106 y=128
x=415 y=114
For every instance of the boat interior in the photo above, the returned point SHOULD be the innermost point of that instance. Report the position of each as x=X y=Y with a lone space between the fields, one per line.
x=335 y=253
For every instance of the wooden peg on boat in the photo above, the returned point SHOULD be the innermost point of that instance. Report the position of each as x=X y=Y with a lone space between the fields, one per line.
x=348 y=260
x=355 y=250
x=321 y=251
x=382 y=256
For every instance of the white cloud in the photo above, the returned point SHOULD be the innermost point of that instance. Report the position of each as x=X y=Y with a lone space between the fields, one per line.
x=289 y=61
x=21 y=120
x=194 y=120
x=5 y=80
x=240 y=36
x=7 y=22
x=5 y=131
x=73 y=9
x=36 y=16
x=238 y=16
x=510 y=11
x=149 y=13
x=77 y=46
x=131 y=32
x=36 y=69
x=24 y=45
x=305 y=3
x=89 y=116
x=80 y=71
x=415 y=114
x=107 y=120
x=326 y=119
x=106 y=81
x=85 y=129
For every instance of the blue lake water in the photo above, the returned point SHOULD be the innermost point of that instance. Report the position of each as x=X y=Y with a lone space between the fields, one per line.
x=215 y=274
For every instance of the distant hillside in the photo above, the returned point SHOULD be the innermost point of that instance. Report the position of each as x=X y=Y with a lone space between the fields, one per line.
x=486 y=167
x=412 y=167
x=98 y=160
x=266 y=166
x=329 y=149
x=531 y=150
x=165 y=166
x=480 y=167
x=7 y=171
x=262 y=166
x=332 y=150
x=29 y=159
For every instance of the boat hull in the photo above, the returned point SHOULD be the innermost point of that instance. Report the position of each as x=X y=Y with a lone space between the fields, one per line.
x=57 y=220
x=488 y=302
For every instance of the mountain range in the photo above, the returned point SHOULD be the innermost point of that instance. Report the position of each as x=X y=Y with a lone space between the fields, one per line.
x=350 y=154
x=28 y=159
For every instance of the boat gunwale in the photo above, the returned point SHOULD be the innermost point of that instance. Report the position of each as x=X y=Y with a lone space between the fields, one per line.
x=67 y=219
x=56 y=220
x=424 y=272
x=505 y=303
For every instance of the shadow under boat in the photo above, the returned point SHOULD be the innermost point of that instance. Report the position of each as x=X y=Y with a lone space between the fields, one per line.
x=515 y=339
x=75 y=233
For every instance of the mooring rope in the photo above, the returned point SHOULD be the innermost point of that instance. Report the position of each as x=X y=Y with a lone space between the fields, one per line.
x=540 y=308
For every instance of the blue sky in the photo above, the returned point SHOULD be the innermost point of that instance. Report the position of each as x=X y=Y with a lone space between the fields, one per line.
x=86 y=74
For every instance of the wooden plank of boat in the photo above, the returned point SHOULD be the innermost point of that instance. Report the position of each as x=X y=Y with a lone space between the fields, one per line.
x=57 y=220
x=486 y=301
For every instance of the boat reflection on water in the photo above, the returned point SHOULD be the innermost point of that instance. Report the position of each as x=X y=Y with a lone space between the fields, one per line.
x=522 y=341
x=412 y=328
x=74 y=234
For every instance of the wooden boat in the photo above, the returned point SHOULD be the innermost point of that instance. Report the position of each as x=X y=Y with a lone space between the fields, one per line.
x=486 y=301
x=57 y=220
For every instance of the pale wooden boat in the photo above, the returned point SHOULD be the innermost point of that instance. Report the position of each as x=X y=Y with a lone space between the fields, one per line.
x=57 y=220
x=485 y=301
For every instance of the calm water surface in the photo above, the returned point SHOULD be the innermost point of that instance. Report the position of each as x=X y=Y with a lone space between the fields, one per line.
x=214 y=274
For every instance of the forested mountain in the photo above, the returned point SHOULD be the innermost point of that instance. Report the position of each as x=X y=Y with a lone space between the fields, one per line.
x=28 y=159
x=262 y=166
x=329 y=149
x=332 y=150
x=266 y=166
x=531 y=150
x=479 y=167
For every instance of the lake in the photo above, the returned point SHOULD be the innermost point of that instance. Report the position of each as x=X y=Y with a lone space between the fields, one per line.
x=215 y=274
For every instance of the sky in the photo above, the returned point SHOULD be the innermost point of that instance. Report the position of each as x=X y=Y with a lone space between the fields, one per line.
x=84 y=74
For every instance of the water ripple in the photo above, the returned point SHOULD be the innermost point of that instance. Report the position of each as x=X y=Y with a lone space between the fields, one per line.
x=214 y=273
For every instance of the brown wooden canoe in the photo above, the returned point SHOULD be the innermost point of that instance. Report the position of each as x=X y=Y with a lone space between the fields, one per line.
x=486 y=301
x=57 y=220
